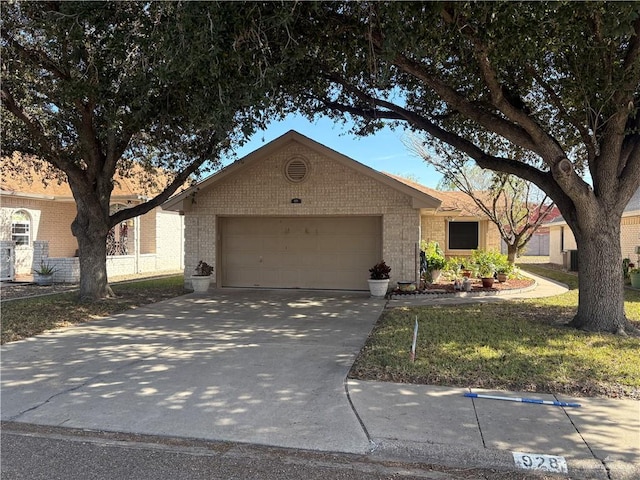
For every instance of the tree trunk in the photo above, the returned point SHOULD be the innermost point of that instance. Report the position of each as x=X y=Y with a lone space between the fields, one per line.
x=512 y=251
x=91 y=232
x=601 y=294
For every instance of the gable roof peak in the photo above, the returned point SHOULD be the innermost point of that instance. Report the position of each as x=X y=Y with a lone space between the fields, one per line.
x=421 y=199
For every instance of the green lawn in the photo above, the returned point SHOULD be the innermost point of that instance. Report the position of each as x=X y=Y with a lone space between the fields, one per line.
x=31 y=316
x=519 y=346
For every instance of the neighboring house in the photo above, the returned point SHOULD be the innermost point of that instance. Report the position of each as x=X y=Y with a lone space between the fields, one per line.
x=538 y=245
x=296 y=214
x=36 y=224
x=562 y=244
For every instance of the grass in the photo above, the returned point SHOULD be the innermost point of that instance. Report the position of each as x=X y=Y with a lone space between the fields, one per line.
x=521 y=346
x=30 y=316
x=569 y=279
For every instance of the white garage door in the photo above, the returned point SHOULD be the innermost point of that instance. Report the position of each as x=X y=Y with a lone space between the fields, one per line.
x=299 y=252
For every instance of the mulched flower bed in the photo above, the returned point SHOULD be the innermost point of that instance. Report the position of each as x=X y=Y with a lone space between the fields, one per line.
x=447 y=287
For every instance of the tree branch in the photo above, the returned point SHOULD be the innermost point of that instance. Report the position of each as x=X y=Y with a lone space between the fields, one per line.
x=588 y=140
x=36 y=57
x=177 y=182
x=624 y=101
x=488 y=120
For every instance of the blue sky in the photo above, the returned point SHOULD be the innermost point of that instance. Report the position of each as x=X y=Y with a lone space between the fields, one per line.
x=383 y=151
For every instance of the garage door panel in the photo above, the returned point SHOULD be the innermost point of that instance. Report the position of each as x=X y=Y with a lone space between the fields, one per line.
x=241 y=260
x=299 y=252
x=269 y=243
x=298 y=247
x=346 y=243
x=242 y=243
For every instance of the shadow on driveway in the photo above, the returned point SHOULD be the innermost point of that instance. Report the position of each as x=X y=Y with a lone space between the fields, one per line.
x=259 y=366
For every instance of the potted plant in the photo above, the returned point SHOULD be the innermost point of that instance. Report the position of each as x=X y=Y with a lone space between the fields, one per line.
x=379 y=279
x=44 y=274
x=435 y=258
x=503 y=272
x=486 y=266
x=201 y=280
x=634 y=275
x=486 y=275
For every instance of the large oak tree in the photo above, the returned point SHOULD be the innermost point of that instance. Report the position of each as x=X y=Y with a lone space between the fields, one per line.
x=93 y=87
x=546 y=91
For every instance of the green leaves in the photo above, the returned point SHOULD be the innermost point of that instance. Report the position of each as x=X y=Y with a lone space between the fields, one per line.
x=154 y=73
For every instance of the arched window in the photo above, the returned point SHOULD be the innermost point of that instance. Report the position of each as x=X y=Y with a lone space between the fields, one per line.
x=21 y=228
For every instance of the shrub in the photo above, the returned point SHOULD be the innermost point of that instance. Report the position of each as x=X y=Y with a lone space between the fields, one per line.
x=203 y=269
x=488 y=262
x=434 y=255
x=380 y=271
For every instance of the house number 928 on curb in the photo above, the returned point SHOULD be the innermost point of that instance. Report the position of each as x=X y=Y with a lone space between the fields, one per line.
x=538 y=461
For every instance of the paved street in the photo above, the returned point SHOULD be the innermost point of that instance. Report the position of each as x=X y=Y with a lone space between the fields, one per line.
x=45 y=453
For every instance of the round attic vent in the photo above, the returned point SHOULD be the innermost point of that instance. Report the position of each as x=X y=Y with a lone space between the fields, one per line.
x=296 y=170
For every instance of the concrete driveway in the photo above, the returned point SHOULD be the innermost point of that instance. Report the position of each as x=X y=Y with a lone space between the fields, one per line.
x=257 y=366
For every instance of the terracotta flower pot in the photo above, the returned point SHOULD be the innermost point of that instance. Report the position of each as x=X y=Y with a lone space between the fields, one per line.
x=487 y=282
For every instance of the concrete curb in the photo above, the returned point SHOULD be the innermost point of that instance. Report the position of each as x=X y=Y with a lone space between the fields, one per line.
x=461 y=456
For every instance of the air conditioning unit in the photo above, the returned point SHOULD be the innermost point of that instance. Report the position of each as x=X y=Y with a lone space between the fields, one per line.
x=570 y=260
x=573 y=260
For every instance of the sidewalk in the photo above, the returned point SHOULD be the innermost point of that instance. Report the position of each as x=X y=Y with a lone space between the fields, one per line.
x=599 y=440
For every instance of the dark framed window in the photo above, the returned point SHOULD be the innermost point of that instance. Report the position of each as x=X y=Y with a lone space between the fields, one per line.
x=463 y=235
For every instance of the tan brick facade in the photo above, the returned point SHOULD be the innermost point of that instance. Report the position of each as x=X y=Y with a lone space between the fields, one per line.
x=630 y=237
x=49 y=221
x=331 y=189
x=434 y=228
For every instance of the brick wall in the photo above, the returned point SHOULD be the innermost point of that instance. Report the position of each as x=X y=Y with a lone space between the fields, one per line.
x=51 y=224
x=493 y=238
x=630 y=237
x=434 y=228
x=7 y=250
x=67 y=268
x=331 y=189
